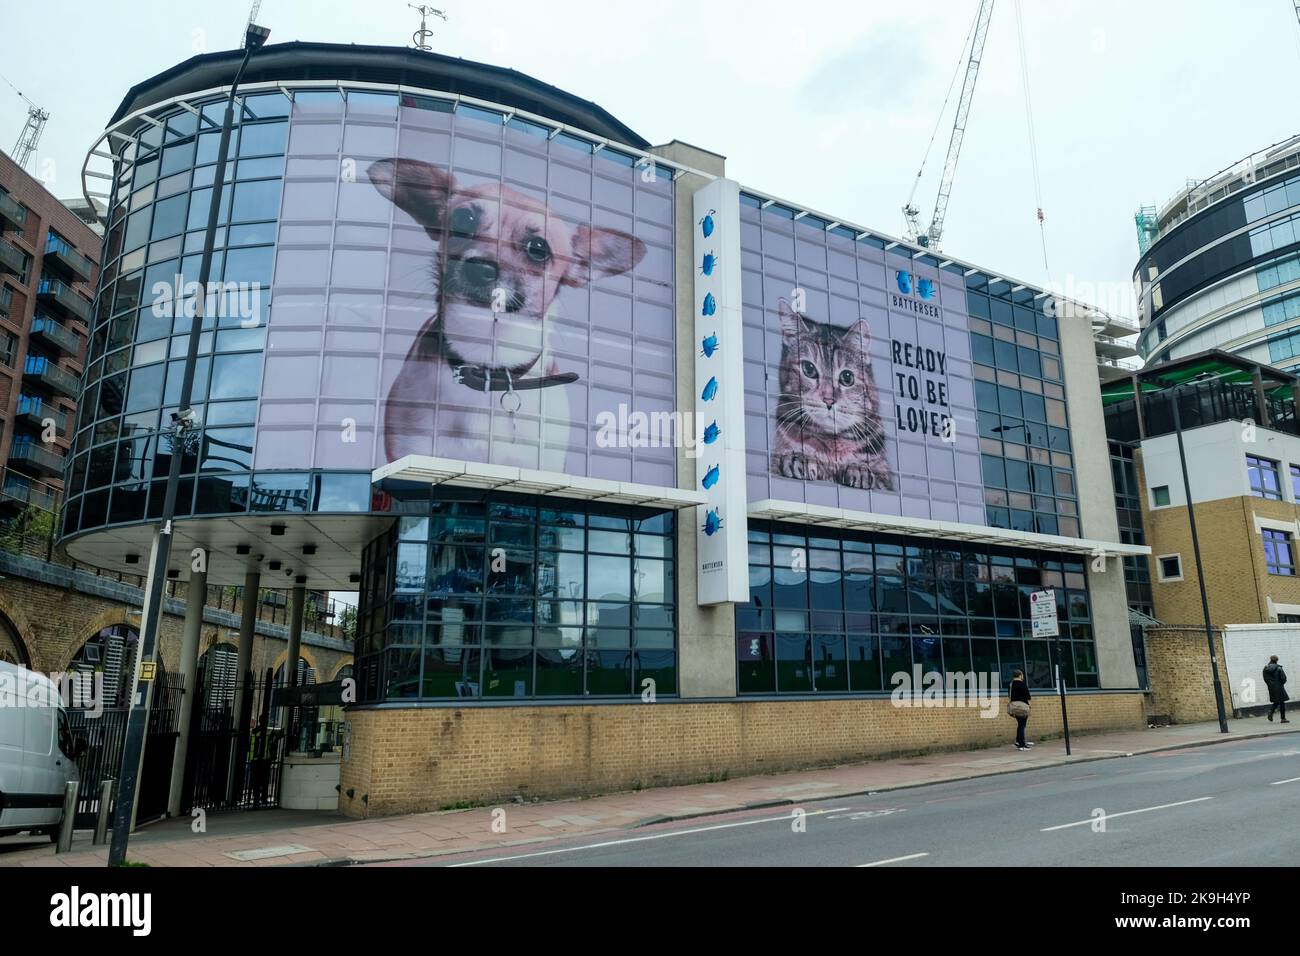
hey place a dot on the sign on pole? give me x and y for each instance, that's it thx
(1042, 616)
(1042, 613)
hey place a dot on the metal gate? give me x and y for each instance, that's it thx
(225, 768)
(105, 734)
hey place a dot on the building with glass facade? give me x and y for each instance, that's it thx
(1220, 264)
(640, 468)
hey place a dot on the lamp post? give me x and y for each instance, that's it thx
(184, 421)
(1196, 551)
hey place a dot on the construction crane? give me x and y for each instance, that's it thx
(932, 236)
(31, 134)
(252, 18)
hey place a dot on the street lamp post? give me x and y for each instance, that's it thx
(183, 421)
(1196, 551)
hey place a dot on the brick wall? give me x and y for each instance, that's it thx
(45, 211)
(413, 759)
(1238, 585)
(1178, 664)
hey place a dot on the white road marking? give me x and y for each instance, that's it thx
(1125, 813)
(654, 836)
(1278, 783)
(896, 859)
(868, 814)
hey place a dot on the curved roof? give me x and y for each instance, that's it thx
(338, 62)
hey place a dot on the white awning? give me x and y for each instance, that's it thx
(822, 516)
(528, 481)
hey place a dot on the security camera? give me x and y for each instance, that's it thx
(185, 419)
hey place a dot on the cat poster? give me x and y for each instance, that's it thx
(828, 425)
(859, 385)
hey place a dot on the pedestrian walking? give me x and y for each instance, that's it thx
(1018, 706)
(1275, 681)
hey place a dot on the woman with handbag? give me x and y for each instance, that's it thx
(1018, 707)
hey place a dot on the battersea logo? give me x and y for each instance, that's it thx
(76, 909)
(924, 287)
(915, 296)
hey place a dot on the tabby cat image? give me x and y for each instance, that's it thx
(828, 424)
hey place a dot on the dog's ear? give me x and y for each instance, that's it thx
(420, 189)
(606, 252)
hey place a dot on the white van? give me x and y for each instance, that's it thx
(37, 752)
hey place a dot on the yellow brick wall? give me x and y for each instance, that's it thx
(1238, 584)
(416, 759)
(1178, 666)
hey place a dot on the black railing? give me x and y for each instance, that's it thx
(104, 731)
(1208, 403)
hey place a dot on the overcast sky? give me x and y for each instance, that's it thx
(827, 104)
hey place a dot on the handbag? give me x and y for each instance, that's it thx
(1018, 708)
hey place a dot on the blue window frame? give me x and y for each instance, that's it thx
(1277, 552)
(1264, 482)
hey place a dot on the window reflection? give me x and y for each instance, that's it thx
(936, 606)
(516, 580)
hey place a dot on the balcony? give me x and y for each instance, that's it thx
(11, 210)
(37, 457)
(60, 252)
(40, 370)
(51, 333)
(60, 296)
(18, 492)
(35, 411)
(12, 258)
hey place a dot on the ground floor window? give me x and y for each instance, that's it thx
(477, 595)
(844, 613)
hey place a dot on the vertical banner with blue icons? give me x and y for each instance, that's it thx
(721, 527)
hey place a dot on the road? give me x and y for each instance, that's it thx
(1230, 804)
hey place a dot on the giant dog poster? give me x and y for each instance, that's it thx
(468, 286)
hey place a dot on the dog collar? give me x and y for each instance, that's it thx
(495, 378)
(484, 378)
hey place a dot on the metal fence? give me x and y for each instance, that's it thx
(105, 734)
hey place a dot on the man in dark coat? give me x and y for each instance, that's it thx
(1275, 680)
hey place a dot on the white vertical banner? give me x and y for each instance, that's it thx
(721, 526)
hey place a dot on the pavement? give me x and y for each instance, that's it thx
(285, 837)
(1230, 804)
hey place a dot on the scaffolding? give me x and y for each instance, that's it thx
(1148, 227)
